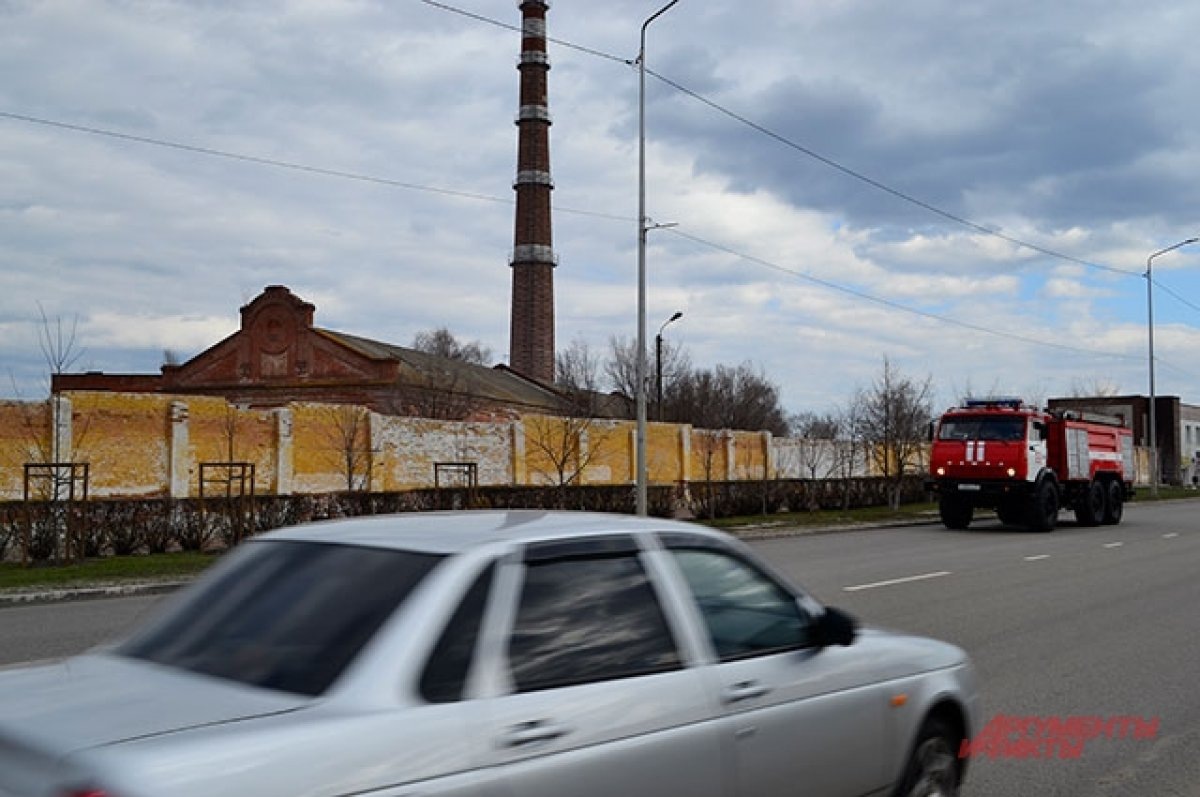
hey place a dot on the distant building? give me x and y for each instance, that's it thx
(278, 356)
(1177, 427)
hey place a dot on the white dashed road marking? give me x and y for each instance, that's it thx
(1170, 535)
(1037, 558)
(1113, 544)
(893, 581)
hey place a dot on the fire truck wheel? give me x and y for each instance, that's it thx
(1114, 503)
(956, 513)
(1089, 511)
(1043, 509)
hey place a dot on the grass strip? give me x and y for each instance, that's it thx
(106, 570)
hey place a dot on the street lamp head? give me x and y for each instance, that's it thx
(678, 315)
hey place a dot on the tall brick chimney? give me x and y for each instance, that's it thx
(531, 335)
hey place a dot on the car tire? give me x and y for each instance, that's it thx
(1114, 503)
(955, 513)
(1090, 509)
(1043, 509)
(932, 769)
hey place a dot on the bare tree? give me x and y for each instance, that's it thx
(1093, 387)
(59, 345)
(621, 368)
(816, 438)
(565, 442)
(441, 342)
(727, 397)
(349, 437)
(444, 397)
(893, 418)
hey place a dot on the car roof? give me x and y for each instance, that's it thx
(455, 531)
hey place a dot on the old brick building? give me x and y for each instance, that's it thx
(278, 356)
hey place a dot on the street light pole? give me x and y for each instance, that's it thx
(658, 363)
(643, 226)
(1155, 465)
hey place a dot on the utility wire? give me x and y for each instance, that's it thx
(281, 164)
(209, 151)
(807, 151)
(1175, 295)
(891, 304)
(507, 26)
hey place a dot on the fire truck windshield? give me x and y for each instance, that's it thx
(982, 428)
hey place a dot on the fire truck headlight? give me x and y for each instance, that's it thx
(941, 471)
(1012, 472)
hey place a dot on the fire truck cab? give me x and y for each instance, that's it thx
(1027, 464)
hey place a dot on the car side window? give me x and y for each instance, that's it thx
(445, 675)
(746, 612)
(586, 618)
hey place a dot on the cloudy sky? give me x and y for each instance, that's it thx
(833, 167)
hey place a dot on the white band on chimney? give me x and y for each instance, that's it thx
(533, 28)
(535, 57)
(533, 253)
(533, 177)
(536, 113)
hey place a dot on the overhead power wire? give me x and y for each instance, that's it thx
(282, 164)
(275, 163)
(807, 151)
(891, 304)
(508, 26)
(1176, 295)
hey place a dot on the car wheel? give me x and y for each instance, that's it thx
(932, 770)
(1090, 509)
(1114, 503)
(955, 512)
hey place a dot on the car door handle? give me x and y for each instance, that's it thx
(744, 690)
(532, 732)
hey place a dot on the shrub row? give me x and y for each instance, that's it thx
(40, 531)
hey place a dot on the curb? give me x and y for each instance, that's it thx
(768, 531)
(30, 597)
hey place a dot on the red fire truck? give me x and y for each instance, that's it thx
(1027, 463)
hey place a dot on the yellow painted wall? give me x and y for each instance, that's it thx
(24, 430)
(709, 460)
(318, 451)
(127, 440)
(220, 432)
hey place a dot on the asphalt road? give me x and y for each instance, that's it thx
(1098, 622)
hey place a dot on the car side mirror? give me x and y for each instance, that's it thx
(834, 627)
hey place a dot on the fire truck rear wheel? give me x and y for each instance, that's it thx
(956, 513)
(1114, 503)
(1043, 509)
(1089, 511)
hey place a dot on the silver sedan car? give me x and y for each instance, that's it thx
(533, 654)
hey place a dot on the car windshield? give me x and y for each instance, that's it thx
(284, 615)
(982, 428)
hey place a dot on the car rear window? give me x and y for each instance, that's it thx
(284, 615)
